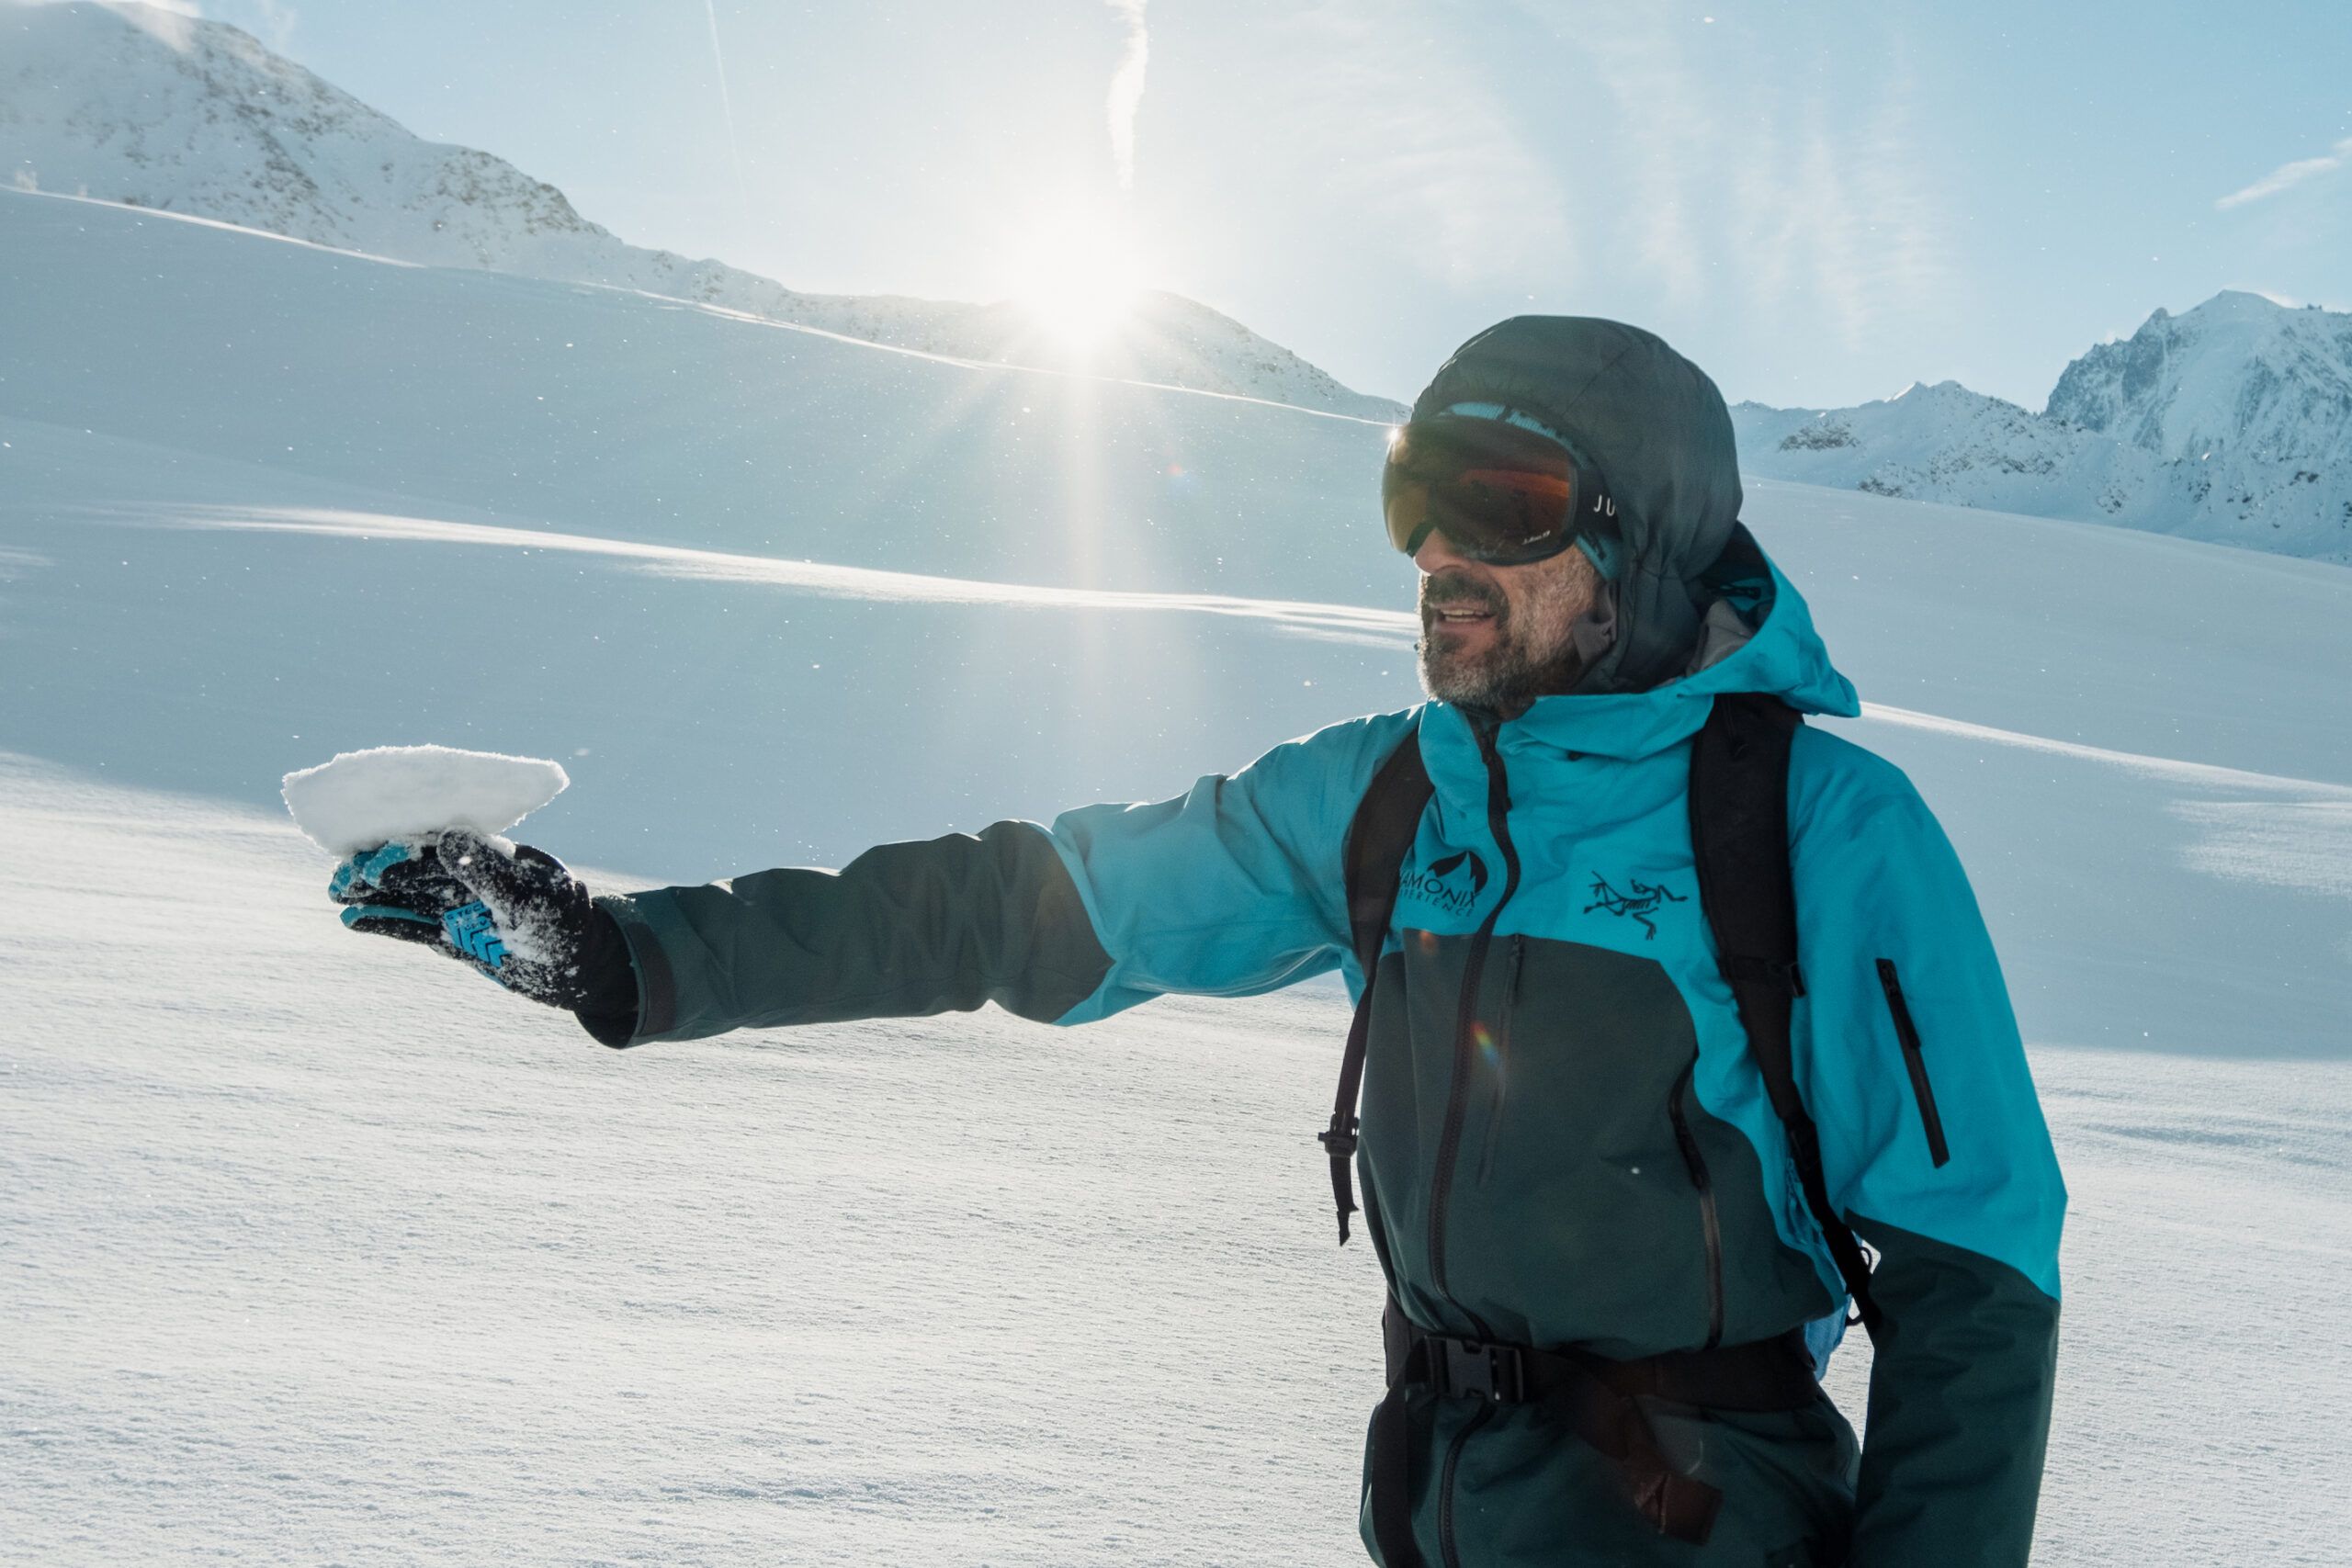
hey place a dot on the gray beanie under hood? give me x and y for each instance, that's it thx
(1656, 428)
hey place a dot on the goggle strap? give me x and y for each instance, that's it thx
(1605, 551)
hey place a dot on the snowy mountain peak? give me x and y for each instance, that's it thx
(2240, 373)
(156, 108)
(2234, 302)
(159, 109)
(1948, 393)
(2230, 421)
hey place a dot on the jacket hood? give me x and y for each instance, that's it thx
(1756, 636)
(1656, 428)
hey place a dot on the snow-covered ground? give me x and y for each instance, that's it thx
(319, 1250)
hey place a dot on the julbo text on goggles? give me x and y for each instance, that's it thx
(1500, 494)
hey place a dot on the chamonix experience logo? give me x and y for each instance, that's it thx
(1453, 884)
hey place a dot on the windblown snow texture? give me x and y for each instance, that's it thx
(360, 799)
(425, 1277)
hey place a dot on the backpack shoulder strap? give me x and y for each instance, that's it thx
(1739, 836)
(1379, 838)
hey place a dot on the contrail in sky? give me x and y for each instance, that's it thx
(1126, 89)
(727, 105)
(2292, 174)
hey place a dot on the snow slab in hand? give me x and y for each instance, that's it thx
(360, 799)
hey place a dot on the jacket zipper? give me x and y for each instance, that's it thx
(1474, 969)
(1502, 1057)
(1908, 1034)
(1449, 1144)
(1446, 1485)
(1710, 1220)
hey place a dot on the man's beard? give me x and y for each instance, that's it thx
(1531, 652)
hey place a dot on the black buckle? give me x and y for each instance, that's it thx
(1338, 1140)
(1785, 978)
(1471, 1369)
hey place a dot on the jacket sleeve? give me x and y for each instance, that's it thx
(1231, 888)
(1935, 1151)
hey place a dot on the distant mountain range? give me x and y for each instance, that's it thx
(2231, 423)
(131, 104)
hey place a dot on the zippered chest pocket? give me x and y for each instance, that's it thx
(1915, 1062)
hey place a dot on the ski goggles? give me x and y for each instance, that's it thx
(1501, 494)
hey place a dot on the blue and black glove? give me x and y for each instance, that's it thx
(521, 919)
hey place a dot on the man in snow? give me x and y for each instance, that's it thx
(1614, 1154)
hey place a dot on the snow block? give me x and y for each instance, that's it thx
(360, 799)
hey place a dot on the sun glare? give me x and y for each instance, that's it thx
(1078, 280)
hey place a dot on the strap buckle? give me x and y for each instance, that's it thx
(1783, 978)
(1471, 1369)
(1338, 1140)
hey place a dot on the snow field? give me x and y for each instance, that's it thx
(631, 417)
(732, 721)
(320, 1249)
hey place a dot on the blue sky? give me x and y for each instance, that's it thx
(1820, 202)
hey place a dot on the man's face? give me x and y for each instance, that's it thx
(1500, 636)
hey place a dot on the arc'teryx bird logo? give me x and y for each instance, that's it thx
(1639, 905)
(1439, 883)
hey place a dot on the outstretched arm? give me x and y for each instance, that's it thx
(1231, 888)
(903, 929)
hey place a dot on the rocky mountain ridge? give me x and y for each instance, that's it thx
(150, 107)
(2231, 423)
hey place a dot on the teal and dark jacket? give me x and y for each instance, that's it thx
(1578, 1150)
(1566, 1141)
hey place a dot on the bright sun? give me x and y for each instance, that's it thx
(1077, 278)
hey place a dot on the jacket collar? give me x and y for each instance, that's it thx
(1784, 657)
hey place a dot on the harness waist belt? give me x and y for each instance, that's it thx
(1590, 1395)
(1765, 1374)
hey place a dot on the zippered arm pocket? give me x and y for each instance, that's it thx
(1922, 1091)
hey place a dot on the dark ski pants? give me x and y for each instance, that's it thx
(1503, 1486)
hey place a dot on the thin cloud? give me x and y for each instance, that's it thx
(1665, 113)
(1849, 215)
(2288, 174)
(1126, 89)
(1362, 99)
(1776, 198)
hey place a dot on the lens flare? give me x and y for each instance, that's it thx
(1076, 276)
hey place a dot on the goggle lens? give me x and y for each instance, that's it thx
(1499, 495)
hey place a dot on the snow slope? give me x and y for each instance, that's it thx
(2231, 423)
(512, 397)
(319, 1250)
(429, 1278)
(135, 104)
(256, 520)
